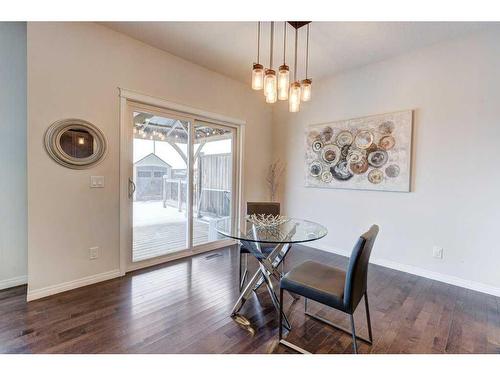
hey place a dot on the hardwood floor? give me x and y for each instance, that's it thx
(183, 307)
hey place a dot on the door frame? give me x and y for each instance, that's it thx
(193, 114)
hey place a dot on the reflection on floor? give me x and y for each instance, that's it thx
(183, 307)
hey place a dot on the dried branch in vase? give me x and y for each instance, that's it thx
(273, 179)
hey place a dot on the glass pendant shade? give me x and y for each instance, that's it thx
(271, 98)
(305, 89)
(283, 82)
(257, 77)
(270, 86)
(294, 98)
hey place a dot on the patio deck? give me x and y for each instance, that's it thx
(160, 239)
(160, 231)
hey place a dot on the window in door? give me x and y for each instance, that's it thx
(160, 163)
(184, 176)
(212, 180)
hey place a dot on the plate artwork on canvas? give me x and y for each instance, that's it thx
(368, 153)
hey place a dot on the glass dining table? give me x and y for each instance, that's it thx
(270, 245)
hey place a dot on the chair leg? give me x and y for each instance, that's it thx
(281, 316)
(243, 270)
(245, 274)
(353, 330)
(280, 330)
(239, 267)
(368, 319)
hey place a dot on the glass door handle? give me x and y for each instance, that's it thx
(131, 188)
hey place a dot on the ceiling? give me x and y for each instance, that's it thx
(230, 48)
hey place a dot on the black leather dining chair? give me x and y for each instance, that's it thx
(334, 287)
(257, 208)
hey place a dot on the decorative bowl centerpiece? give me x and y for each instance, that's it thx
(262, 221)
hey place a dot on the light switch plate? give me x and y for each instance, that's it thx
(96, 181)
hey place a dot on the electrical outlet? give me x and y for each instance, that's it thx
(94, 252)
(437, 252)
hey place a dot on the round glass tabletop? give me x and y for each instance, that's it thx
(292, 231)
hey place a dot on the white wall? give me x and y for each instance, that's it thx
(13, 231)
(74, 70)
(455, 91)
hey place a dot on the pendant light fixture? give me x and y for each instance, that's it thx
(306, 84)
(258, 69)
(294, 98)
(279, 87)
(270, 83)
(284, 71)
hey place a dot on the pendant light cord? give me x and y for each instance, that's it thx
(272, 46)
(284, 43)
(307, 53)
(295, 64)
(258, 42)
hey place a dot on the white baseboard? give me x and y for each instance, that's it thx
(84, 281)
(448, 279)
(14, 281)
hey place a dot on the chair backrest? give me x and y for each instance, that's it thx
(266, 208)
(357, 271)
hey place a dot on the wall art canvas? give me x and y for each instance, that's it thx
(368, 153)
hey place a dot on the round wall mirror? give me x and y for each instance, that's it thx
(75, 143)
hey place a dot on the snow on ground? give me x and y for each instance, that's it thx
(152, 212)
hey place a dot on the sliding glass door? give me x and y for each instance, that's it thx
(160, 177)
(181, 183)
(212, 180)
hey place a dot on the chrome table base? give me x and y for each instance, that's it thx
(268, 267)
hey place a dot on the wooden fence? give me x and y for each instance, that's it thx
(212, 187)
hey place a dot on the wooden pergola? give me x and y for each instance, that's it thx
(175, 132)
